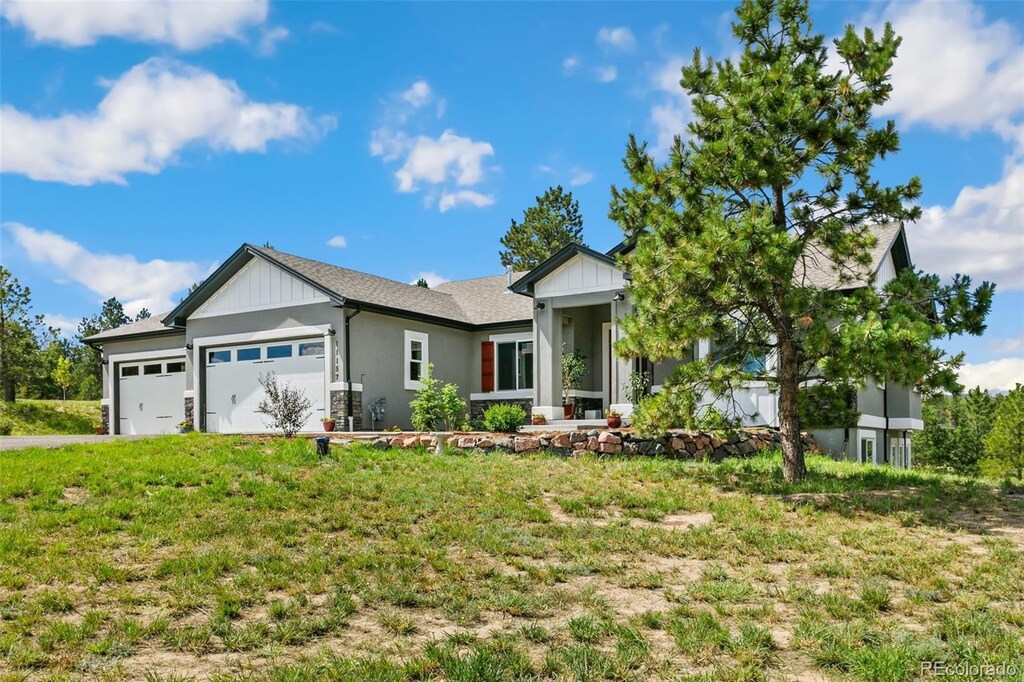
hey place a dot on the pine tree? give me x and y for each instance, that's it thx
(422, 283)
(548, 226)
(20, 352)
(1004, 446)
(775, 177)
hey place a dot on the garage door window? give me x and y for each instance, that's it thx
(316, 348)
(274, 352)
(152, 369)
(248, 354)
(218, 356)
(175, 367)
(130, 371)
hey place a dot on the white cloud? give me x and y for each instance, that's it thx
(618, 38)
(418, 95)
(569, 65)
(64, 325)
(338, 241)
(186, 25)
(148, 115)
(324, 28)
(450, 200)
(981, 234)
(1007, 345)
(435, 164)
(137, 285)
(999, 375)
(579, 176)
(606, 74)
(270, 38)
(672, 112)
(953, 70)
(433, 279)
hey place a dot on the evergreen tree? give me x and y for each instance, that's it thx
(955, 427)
(144, 314)
(1004, 446)
(19, 335)
(88, 363)
(774, 179)
(548, 226)
(421, 282)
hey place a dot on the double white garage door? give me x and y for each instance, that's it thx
(233, 390)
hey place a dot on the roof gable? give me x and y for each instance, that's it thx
(259, 285)
(572, 269)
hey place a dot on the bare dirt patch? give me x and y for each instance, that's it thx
(614, 515)
(75, 494)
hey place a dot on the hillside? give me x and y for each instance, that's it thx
(220, 556)
(47, 417)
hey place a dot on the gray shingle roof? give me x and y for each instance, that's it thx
(820, 271)
(486, 300)
(151, 325)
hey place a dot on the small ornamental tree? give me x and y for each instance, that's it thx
(554, 222)
(61, 375)
(286, 407)
(437, 405)
(774, 181)
(1004, 446)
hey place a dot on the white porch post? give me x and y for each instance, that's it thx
(621, 367)
(547, 393)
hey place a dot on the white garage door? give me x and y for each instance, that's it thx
(233, 391)
(151, 396)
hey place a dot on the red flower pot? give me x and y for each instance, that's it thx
(329, 425)
(570, 411)
(614, 422)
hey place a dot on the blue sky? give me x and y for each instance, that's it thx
(144, 142)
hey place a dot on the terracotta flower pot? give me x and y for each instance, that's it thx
(538, 421)
(570, 411)
(614, 422)
(328, 425)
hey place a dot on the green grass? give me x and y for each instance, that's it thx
(217, 557)
(51, 417)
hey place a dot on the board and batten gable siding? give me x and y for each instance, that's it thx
(886, 271)
(259, 285)
(581, 274)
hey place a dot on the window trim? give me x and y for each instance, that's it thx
(870, 436)
(424, 339)
(517, 343)
(516, 338)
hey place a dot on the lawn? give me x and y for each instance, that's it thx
(217, 557)
(48, 417)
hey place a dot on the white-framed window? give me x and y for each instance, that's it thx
(417, 355)
(867, 449)
(513, 364)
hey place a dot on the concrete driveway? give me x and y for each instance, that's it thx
(22, 442)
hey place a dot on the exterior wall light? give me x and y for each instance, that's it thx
(539, 305)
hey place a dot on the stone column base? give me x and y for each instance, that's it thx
(339, 410)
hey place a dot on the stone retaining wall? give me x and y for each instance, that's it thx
(676, 444)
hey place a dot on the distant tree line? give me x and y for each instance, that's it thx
(36, 361)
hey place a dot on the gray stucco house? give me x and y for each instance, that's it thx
(357, 345)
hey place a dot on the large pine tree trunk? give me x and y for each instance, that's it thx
(793, 467)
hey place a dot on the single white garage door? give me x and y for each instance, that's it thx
(151, 396)
(233, 391)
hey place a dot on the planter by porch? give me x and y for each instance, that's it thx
(569, 411)
(185, 429)
(328, 425)
(538, 421)
(614, 422)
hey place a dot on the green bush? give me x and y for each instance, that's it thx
(437, 405)
(504, 417)
(6, 427)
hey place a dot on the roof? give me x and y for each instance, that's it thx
(481, 302)
(151, 326)
(820, 271)
(524, 284)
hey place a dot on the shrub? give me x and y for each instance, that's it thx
(437, 405)
(287, 407)
(504, 417)
(6, 427)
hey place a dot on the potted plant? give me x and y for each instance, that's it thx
(185, 426)
(574, 366)
(614, 419)
(538, 419)
(101, 430)
(328, 423)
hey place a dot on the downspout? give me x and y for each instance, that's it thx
(885, 415)
(348, 365)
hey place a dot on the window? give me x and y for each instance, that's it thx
(218, 356)
(416, 359)
(175, 367)
(152, 369)
(132, 371)
(515, 365)
(248, 354)
(279, 352)
(867, 450)
(312, 348)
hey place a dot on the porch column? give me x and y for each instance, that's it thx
(547, 359)
(621, 367)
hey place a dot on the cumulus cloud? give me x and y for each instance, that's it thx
(432, 278)
(450, 200)
(997, 375)
(606, 74)
(617, 38)
(148, 115)
(64, 325)
(338, 242)
(671, 112)
(138, 285)
(270, 38)
(1007, 345)
(427, 162)
(185, 25)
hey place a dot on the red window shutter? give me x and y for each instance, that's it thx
(487, 366)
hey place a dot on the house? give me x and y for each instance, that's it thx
(357, 346)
